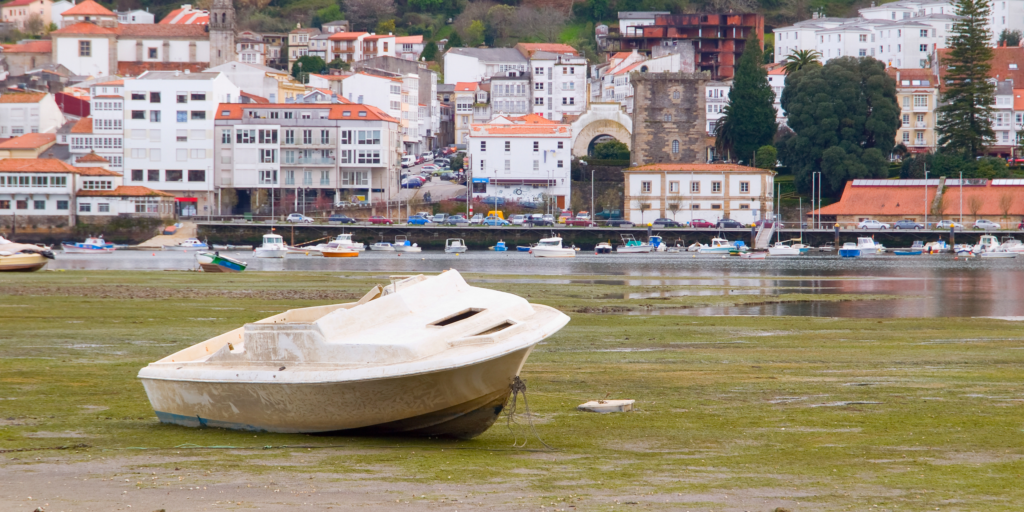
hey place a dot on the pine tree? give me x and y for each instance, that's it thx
(751, 115)
(965, 116)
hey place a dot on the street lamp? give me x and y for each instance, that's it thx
(926, 196)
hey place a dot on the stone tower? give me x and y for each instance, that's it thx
(222, 32)
(669, 122)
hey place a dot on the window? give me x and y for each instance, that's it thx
(139, 114)
(716, 207)
(139, 96)
(368, 157)
(154, 155)
(153, 175)
(508, 146)
(744, 207)
(923, 47)
(85, 48)
(924, 33)
(368, 137)
(84, 207)
(920, 100)
(675, 146)
(744, 187)
(307, 137)
(198, 115)
(483, 146)
(154, 116)
(101, 207)
(289, 136)
(61, 205)
(170, 175)
(716, 186)
(152, 53)
(862, 53)
(906, 119)
(225, 136)
(862, 38)
(560, 164)
(245, 136)
(181, 97)
(38, 205)
(268, 136)
(198, 153)
(906, 136)
(268, 156)
(667, 118)
(906, 102)
(645, 187)
(182, 116)
(197, 175)
(136, 174)
(154, 97)
(198, 96)
(325, 136)
(695, 187)
(268, 177)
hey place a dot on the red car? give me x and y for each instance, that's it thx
(377, 219)
(701, 223)
(580, 221)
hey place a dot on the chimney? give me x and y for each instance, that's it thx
(897, 78)
(814, 15)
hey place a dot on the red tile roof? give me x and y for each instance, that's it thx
(84, 28)
(88, 8)
(23, 97)
(256, 99)
(896, 200)
(375, 37)
(1002, 59)
(155, 31)
(17, 3)
(193, 17)
(45, 46)
(123, 191)
(346, 36)
(235, 110)
(466, 86)
(83, 125)
(35, 165)
(528, 49)
(138, 68)
(93, 158)
(95, 171)
(694, 168)
(112, 83)
(409, 40)
(487, 130)
(29, 141)
(532, 119)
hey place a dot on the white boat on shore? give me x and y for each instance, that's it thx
(189, 244)
(987, 243)
(273, 247)
(455, 245)
(402, 244)
(552, 248)
(15, 257)
(781, 249)
(429, 356)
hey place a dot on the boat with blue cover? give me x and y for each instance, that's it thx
(849, 250)
(499, 247)
(215, 262)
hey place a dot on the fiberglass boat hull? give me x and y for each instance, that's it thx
(22, 262)
(458, 402)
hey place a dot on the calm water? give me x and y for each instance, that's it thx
(929, 286)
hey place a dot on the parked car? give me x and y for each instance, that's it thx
(872, 224)
(564, 216)
(729, 223)
(429, 169)
(529, 204)
(494, 220)
(701, 223)
(408, 161)
(550, 218)
(342, 204)
(581, 221)
(412, 183)
(339, 218)
(517, 220)
(448, 176)
(299, 218)
(985, 224)
(665, 223)
(477, 219)
(453, 220)
(494, 201)
(907, 224)
(947, 224)
(1020, 226)
(609, 214)
(427, 155)
(439, 218)
(619, 223)
(538, 219)
(419, 220)
(420, 160)
(377, 219)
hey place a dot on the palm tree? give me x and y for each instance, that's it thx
(800, 58)
(723, 132)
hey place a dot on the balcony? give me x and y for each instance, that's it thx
(921, 125)
(310, 161)
(313, 143)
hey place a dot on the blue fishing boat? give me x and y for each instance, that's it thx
(214, 262)
(915, 250)
(95, 245)
(849, 250)
(523, 248)
(499, 247)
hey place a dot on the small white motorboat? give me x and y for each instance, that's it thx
(382, 246)
(757, 255)
(402, 244)
(552, 248)
(455, 245)
(342, 241)
(631, 245)
(1010, 244)
(273, 247)
(781, 249)
(719, 246)
(429, 356)
(867, 245)
(998, 253)
(987, 243)
(603, 248)
(936, 247)
(189, 244)
(696, 247)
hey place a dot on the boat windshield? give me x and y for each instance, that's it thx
(549, 243)
(272, 239)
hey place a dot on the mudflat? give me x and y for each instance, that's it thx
(732, 413)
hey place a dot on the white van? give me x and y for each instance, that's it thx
(408, 161)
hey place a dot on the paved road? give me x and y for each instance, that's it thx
(439, 190)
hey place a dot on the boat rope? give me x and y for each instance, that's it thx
(518, 387)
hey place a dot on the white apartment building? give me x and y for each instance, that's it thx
(103, 131)
(168, 133)
(472, 106)
(717, 97)
(29, 112)
(383, 92)
(521, 159)
(688, 192)
(136, 17)
(559, 84)
(410, 121)
(476, 64)
(610, 80)
(310, 151)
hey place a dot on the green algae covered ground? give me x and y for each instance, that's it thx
(733, 413)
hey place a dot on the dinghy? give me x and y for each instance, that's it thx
(216, 262)
(430, 356)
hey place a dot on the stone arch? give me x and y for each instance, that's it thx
(601, 120)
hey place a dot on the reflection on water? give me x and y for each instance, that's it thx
(934, 286)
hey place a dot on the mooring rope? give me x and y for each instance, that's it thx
(518, 387)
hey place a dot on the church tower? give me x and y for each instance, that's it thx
(222, 32)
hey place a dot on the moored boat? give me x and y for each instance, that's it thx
(867, 245)
(344, 241)
(339, 252)
(781, 249)
(552, 248)
(632, 245)
(455, 245)
(230, 247)
(719, 246)
(936, 247)
(498, 247)
(402, 244)
(757, 255)
(987, 243)
(603, 248)
(216, 262)
(524, 248)
(91, 245)
(849, 250)
(998, 253)
(429, 356)
(273, 247)
(382, 246)
(189, 244)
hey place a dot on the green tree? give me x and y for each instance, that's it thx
(965, 113)
(326, 15)
(611, 150)
(307, 64)
(751, 114)
(800, 59)
(454, 41)
(429, 51)
(386, 26)
(337, 63)
(844, 116)
(767, 157)
(475, 34)
(1009, 38)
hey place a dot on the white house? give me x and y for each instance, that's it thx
(521, 159)
(476, 64)
(168, 132)
(383, 92)
(252, 78)
(689, 192)
(29, 112)
(135, 17)
(102, 132)
(409, 47)
(558, 79)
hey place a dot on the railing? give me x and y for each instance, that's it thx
(316, 141)
(921, 125)
(311, 161)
